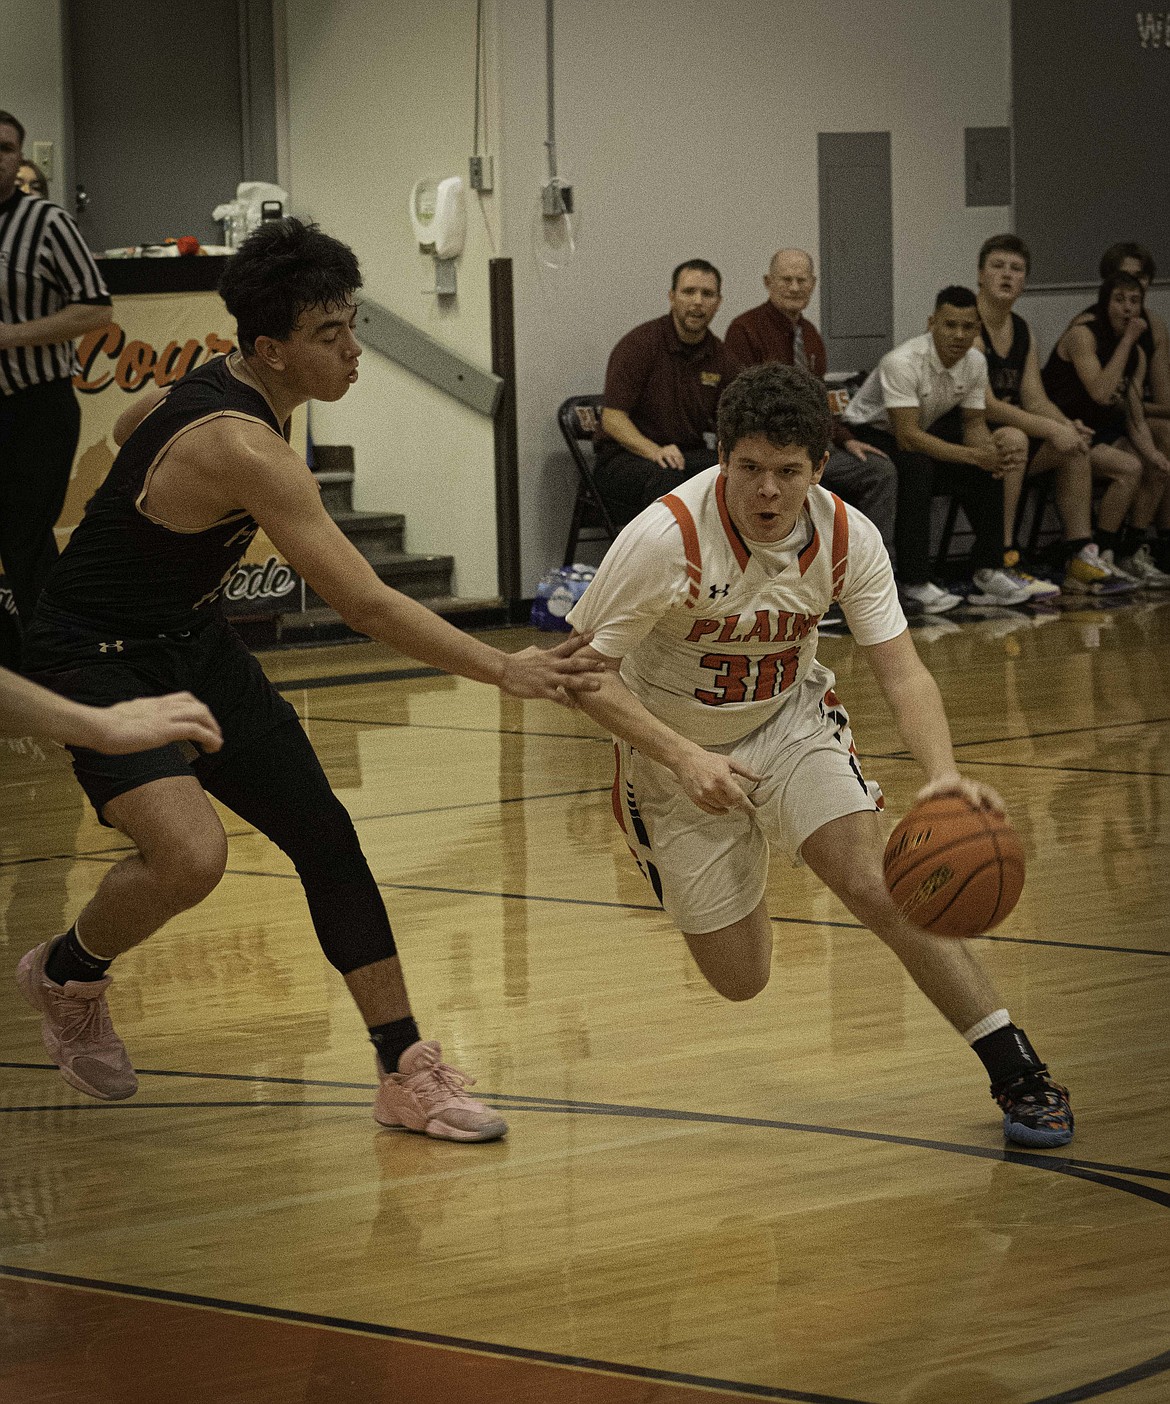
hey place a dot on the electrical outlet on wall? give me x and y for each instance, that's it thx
(42, 154)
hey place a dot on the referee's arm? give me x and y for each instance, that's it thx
(66, 325)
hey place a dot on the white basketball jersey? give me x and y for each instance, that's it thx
(716, 633)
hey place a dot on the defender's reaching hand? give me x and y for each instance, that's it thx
(553, 672)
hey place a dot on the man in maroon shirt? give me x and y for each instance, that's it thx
(662, 386)
(778, 330)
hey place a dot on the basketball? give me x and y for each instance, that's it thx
(954, 869)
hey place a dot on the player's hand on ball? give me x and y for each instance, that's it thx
(976, 793)
(553, 673)
(712, 781)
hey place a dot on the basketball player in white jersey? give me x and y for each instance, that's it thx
(731, 739)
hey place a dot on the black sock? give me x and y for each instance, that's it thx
(1074, 548)
(1162, 549)
(1007, 1055)
(1108, 540)
(1131, 539)
(69, 960)
(392, 1040)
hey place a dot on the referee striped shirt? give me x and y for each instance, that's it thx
(44, 266)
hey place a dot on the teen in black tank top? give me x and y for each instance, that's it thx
(1006, 373)
(1067, 392)
(126, 570)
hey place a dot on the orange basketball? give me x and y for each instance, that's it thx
(954, 869)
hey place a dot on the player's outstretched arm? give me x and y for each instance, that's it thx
(140, 725)
(279, 491)
(708, 778)
(917, 705)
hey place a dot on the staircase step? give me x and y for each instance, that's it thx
(336, 491)
(420, 577)
(379, 536)
(333, 468)
(332, 458)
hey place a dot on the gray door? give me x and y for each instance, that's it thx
(857, 247)
(166, 117)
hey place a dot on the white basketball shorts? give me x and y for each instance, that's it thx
(709, 870)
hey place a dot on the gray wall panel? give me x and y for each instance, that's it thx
(1091, 100)
(856, 251)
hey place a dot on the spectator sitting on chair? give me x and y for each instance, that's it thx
(662, 386)
(1096, 372)
(1153, 496)
(1053, 443)
(924, 405)
(778, 330)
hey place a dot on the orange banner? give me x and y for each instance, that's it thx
(153, 340)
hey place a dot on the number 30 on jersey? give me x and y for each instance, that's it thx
(739, 678)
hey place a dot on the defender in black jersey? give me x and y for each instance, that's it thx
(132, 610)
(1054, 442)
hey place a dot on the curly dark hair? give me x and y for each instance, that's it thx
(281, 269)
(784, 403)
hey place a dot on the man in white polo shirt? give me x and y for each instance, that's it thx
(925, 405)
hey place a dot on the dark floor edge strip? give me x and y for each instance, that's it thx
(373, 1328)
(357, 679)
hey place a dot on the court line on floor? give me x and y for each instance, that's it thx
(1109, 1177)
(373, 1328)
(1103, 1172)
(654, 908)
(901, 756)
(100, 854)
(606, 740)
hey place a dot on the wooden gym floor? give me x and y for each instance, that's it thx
(805, 1197)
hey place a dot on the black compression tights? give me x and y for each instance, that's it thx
(277, 784)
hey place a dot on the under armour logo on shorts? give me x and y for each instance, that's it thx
(115, 647)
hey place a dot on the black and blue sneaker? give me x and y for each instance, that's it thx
(1036, 1111)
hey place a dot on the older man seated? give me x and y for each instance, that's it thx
(778, 330)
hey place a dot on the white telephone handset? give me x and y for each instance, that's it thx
(438, 212)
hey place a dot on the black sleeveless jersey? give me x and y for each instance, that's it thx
(1006, 373)
(125, 569)
(1067, 392)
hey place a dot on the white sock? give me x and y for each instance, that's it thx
(999, 1019)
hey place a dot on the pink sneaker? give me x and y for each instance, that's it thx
(426, 1095)
(76, 1029)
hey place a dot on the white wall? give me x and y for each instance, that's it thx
(379, 95)
(31, 77)
(692, 131)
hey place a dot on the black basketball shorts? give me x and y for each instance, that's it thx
(87, 663)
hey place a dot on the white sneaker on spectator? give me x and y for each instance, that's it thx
(1141, 567)
(1087, 574)
(996, 587)
(1037, 589)
(1117, 570)
(929, 598)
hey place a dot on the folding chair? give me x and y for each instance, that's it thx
(578, 417)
